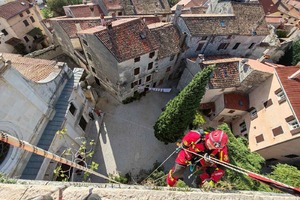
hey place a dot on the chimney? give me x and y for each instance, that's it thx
(103, 23)
(200, 59)
(113, 16)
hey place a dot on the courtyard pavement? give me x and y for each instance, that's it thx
(126, 141)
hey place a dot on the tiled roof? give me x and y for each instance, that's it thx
(127, 38)
(168, 38)
(210, 24)
(31, 68)
(69, 24)
(225, 75)
(141, 7)
(246, 18)
(249, 16)
(291, 86)
(113, 4)
(82, 10)
(269, 6)
(13, 8)
(189, 3)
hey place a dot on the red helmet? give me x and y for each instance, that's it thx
(218, 138)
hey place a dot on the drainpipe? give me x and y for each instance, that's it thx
(287, 99)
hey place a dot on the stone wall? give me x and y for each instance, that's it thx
(130, 192)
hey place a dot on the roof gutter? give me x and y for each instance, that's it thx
(287, 98)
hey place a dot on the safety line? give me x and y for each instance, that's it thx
(34, 149)
(160, 165)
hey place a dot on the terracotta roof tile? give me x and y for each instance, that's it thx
(128, 38)
(291, 86)
(141, 7)
(31, 68)
(168, 38)
(82, 10)
(246, 18)
(225, 75)
(69, 24)
(189, 3)
(113, 4)
(269, 6)
(13, 8)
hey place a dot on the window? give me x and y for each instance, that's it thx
(93, 69)
(223, 46)
(229, 37)
(203, 37)
(82, 123)
(222, 23)
(26, 39)
(136, 71)
(28, 11)
(89, 56)
(251, 45)
(142, 35)
(236, 45)
(280, 96)
(137, 59)
(152, 54)
(135, 83)
(148, 78)
(293, 124)
(4, 32)
(21, 15)
(26, 22)
(97, 81)
(200, 46)
(150, 66)
(253, 113)
(168, 69)
(72, 109)
(268, 103)
(120, 13)
(32, 19)
(277, 131)
(243, 127)
(231, 111)
(85, 42)
(259, 138)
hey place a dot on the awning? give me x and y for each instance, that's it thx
(34, 32)
(13, 41)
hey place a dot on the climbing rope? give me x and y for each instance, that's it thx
(160, 166)
(34, 149)
(273, 183)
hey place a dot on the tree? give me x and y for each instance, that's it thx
(56, 6)
(78, 155)
(240, 155)
(292, 55)
(180, 111)
(287, 174)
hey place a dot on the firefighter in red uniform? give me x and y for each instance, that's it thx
(211, 144)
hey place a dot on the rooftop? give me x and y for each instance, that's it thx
(189, 3)
(13, 8)
(69, 24)
(248, 19)
(141, 7)
(125, 38)
(291, 86)
(84, 10)
(113, 4)
(31, 68)
(168, 38)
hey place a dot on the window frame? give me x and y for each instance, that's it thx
(72, 109)
(236, 46)
(136, 71)
(83, 120)
(4, 32)
(25, 22)
(32, 19)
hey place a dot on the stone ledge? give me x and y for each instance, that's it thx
(31, 189)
